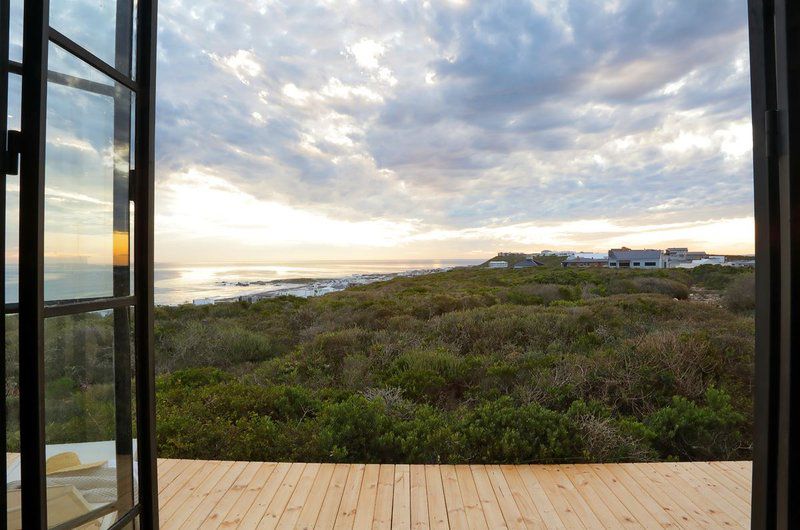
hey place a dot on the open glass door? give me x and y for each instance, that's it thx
(81, 452)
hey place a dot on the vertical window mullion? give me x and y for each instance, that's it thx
(31, 263)
(145, 68)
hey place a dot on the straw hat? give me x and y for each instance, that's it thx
(69, 461)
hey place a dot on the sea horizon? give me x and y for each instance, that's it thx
(176, 283)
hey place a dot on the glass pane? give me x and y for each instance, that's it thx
(88, 420)
(15, 30)
(64, 64)
(12, 418)
(11, 336)
(12, 199)
(86, 195)
(103, 28)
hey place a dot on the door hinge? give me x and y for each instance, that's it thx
(12, 152)
(771, 133)
(132, 185)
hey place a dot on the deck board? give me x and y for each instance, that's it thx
(419, 498)
(218, 494)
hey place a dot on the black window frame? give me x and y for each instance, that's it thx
(775, 93)
(139, 78)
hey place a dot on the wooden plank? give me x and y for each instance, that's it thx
(419, 498)
(171, 474)
(581, 479)
(349, 503)
(558, 493)
(743, 467)
(401, 504)
(212, 494)
(716, 508)
(595, 492)
(165, 464)
(685, 515)
(505, 499)
(630, 499)
(724, 480)
(237, 512)
(540, 499)
(472, 501)
(210, 498)
(670, 488)
(366, 498)
(253, 515)
(489, 504)
(280, 499)
(333, 496)
(183, 495)
(292, 511)
(437, 509)
(733, 474)
(723, 499)
(229, 499)
(636, 492)
(384, 498)
(316, 496)
(456, 513)
(198, 493)
(711, 484)
(181, 473)
(527, 508)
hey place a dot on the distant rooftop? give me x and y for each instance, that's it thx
(628, 254)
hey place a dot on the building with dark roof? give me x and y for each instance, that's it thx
(625, 258)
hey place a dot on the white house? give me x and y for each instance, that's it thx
(625, 258)
(498, 264)
(710, 260)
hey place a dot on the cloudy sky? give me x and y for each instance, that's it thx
(331, 129)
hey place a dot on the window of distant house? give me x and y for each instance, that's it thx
(635, 263)
(649, 263)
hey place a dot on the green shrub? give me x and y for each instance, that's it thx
(740, 294)
(501, 431)
(355, 430)
(687, 431)
(470, 365)
(428, 374)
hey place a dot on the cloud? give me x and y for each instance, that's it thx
(464, 116)
(242, 64)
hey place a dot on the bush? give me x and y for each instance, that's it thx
(428, 374)
(688, 431)
(672, 288)
(355, 430)
(501, 431)
(740, 295)
(471, 365)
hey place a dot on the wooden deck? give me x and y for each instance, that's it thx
(213, 494)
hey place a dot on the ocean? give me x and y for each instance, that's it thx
(179, 283)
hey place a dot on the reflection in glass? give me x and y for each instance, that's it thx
(86, 195)
(88, 418)
(15, 30)
(64, 68)
(12, 401)
(103, 28)
(12, 199)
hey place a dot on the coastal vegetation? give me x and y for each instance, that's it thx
(470, 365)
